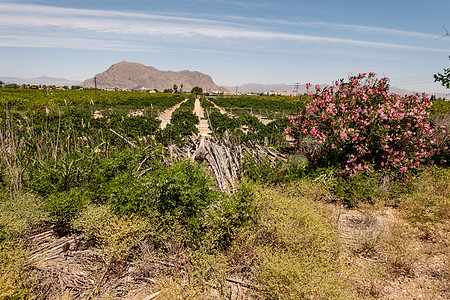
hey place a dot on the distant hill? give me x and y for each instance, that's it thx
(264, 88)
(42, 80)
(281, 88)
(136, 76)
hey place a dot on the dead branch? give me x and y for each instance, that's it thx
(123, 138)
(241, 283)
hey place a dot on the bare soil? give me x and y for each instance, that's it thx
(203, 127)
(167, 114)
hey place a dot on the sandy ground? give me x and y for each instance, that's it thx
(167, 114)
(203, 127)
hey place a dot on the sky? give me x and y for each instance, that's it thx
(235, 42)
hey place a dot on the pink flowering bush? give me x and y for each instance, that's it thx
(359, 126)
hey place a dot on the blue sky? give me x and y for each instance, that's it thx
(236, 42)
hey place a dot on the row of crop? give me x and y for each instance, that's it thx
(187, 105)
(54, 133)
(269, 107)
(182, 124)
(206, 104)
(245, 128)
(23, 99)
(248, 129)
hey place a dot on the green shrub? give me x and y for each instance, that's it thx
(182, 124)
(117, 235)
(128, 195)
(64, 206)
(21, 213)
(265, 171)
(179, 193)
(227, 217)
(183, 190)
(121, 168)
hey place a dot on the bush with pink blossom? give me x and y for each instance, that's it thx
(359, 126)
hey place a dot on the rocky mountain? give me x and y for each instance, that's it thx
(136, 76)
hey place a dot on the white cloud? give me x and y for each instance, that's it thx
(74, 24)
(68, 42)
(333, 25)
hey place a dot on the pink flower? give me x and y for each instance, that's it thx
(365, 117)
(308, 85)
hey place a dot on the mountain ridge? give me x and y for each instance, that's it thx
(177, 78)
(136, 76)
(41, 80)
(267, 88)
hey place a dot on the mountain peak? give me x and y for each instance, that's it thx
(126, 75)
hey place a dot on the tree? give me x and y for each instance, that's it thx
(443, 78)
(12, 86)
(175, 88)
(1, 83)
(197, 90)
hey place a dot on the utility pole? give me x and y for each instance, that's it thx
(95, 89)
(296, 88)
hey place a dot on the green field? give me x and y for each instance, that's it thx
(143, 221)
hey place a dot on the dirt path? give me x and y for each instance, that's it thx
(167, 114)
(203, 126)
(222, 110)
(263, 120)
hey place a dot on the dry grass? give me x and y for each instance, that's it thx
(403, 251)
(299, 246)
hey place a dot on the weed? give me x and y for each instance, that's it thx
(400, 255)
(117, 235)
(296, 247)
(428, 205)
(13, 274)
(21, 214)
(64, 206)
(268, 172)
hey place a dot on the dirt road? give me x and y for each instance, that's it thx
(167, 114)
(203, 126)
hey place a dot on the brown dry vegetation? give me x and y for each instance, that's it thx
(301, 244)
(138, 223)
